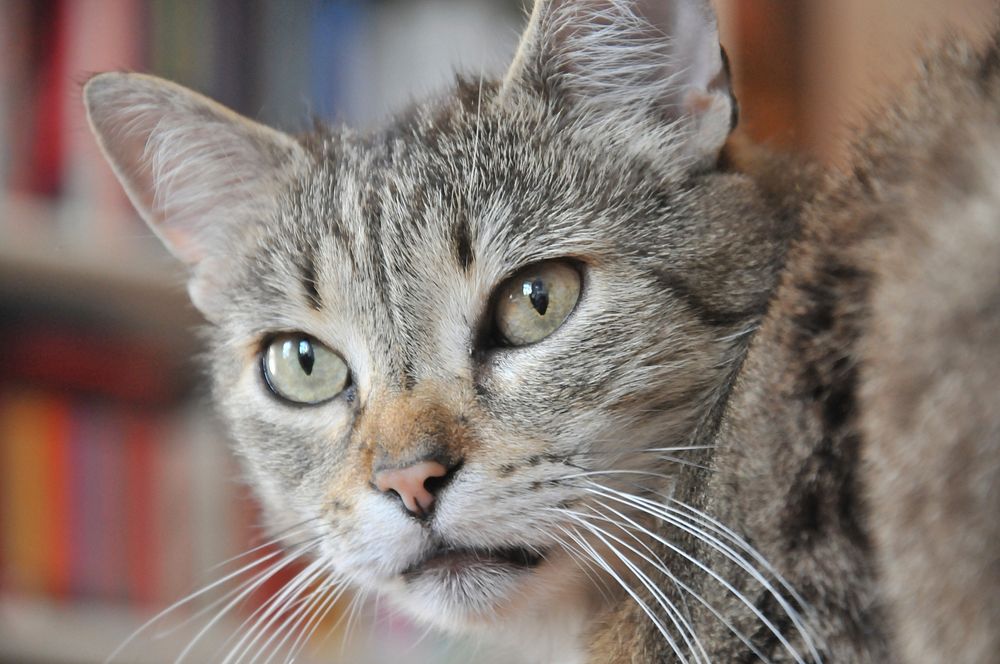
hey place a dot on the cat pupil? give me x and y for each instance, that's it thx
(538, 294)
(306, 356)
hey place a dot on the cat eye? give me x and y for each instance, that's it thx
(300, 369)
(533, 303)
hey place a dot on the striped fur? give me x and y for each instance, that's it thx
(710, 454)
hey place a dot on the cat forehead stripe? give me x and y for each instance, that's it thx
(310, 285)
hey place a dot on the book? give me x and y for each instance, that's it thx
(101, 211)
(24, 498)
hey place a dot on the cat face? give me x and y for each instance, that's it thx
(432, 342)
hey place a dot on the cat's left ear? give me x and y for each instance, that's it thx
(200, 175)
(632, 69)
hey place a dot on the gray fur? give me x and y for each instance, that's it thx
(595, 148)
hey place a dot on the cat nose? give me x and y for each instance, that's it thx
(416, 484)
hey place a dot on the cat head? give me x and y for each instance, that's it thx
(434, 343)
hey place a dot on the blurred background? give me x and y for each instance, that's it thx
(118, 495)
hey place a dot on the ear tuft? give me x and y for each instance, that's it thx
(633, 69)
(194, 170)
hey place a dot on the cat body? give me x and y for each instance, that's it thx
(860, 451)
(545, 360)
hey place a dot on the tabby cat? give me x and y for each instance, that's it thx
(552, 359)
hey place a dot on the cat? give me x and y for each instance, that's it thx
(555, 359)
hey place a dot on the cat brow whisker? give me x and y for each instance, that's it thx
(473, 175)
(638, 503)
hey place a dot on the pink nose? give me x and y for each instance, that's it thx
(410, 484)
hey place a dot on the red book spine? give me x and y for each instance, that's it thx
(59, 537)
(140, 513)
(48, 145)
(109, 537)
(81, 521)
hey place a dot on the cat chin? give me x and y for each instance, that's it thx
(543, 610)
(486, 598)
(460, 598)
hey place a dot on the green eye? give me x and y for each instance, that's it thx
(532, 304)
(298, 368)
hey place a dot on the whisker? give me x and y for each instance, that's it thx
(743, 544)
(285, 534)
(304, 613)
(682, 520)
(185, 600)
(596, 557)
(586, 565)
(295, 555)
(680, 584)
(333, 596)
(355, 606)
(592, 473)
(633, 501)
(271, 610)
(216, 602)
(673, 614)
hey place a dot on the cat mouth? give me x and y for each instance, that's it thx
(452, 560)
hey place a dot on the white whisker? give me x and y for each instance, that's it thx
(597, 558)
(333, 596)
(682, 625)
(682, 520)
(304, 613)
(271, 610)
(295, 555)
(194, 595)
(637, 503)
(673, 578)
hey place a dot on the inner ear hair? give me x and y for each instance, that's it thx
(189, 165)
(650, 70)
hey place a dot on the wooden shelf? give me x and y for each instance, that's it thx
(37, 631)
(48, 260)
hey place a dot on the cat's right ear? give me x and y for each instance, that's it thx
(199, 174)
(649, 74)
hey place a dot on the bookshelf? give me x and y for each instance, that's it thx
(118, 494)
(86, 636)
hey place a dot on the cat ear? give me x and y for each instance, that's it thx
(199, 174)
(627, 66)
